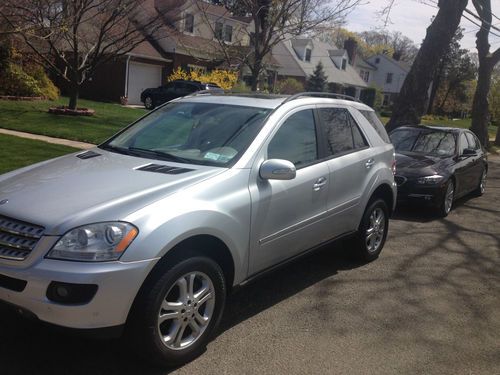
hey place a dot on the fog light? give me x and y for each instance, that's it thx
(71, 294)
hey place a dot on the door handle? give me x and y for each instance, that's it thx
(319, 184)
(369, 163)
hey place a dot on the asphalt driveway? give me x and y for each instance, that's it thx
(429, 305)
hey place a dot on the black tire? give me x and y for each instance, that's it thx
(362, 246)
(445, 207)
(481, 187)
(149, 103)
(144, 331)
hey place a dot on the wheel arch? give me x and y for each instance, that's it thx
(384, 192)
(213, 248)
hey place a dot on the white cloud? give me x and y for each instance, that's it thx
(412, 18)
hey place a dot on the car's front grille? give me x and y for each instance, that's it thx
(400, 180)
(17, 238)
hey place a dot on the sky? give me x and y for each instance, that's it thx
(412, 17)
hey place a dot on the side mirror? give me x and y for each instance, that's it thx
(469, 152)
(277, 169)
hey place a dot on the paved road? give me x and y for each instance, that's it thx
(429, 305)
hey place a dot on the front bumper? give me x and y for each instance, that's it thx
(411, 192)
(118, 284)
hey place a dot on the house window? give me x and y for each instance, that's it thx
(344, 64)
(218, 30)
(366, 76)
(389, 78)
(377, 60)
(189, 23)
(308, 54)
(228, 33)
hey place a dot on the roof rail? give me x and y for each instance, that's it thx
(321, 94)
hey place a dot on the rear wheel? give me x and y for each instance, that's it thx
(372, 232)
(149, 103)
(447, 202)
(176, 315)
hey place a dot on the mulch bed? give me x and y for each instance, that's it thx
(71, 112)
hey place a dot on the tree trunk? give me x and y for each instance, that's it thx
(487, 61)
(411, 102)
(480, 105)
(497, 138)
(74, 94)
(436, 82)
(257, 67)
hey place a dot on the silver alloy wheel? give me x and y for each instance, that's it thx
(482, 184)
(148, 102)
(186, 310)
(448, 198)
(375, 231)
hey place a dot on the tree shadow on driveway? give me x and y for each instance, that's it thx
(29, 347)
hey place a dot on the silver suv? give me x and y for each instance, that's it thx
(151, 230)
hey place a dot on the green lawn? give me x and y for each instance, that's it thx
(32, 117)
(18, 152)
(462, 123)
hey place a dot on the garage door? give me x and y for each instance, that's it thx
(141, 77)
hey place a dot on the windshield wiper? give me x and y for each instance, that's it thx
(159, 154)
(120, 150)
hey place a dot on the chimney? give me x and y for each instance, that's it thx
(351, 46)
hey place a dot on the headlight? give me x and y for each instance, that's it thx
(95, 242)
(430, 180)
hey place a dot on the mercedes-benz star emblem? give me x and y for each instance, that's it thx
(4, 201)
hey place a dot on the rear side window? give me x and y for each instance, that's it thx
(473, 141)
(295, 140)
(377, 125)
(342, 134)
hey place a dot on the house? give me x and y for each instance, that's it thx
(385, 73)
(191, 39)
(298, 57)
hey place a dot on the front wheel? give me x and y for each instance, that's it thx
(448, 197)
(372, 232)
(149, 103)
(175, 317)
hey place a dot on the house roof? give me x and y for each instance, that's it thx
(337, 52)
(291, 65)
(360, 63)
(400, 64)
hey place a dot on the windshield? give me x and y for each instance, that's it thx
(198, 133)
(427, 141)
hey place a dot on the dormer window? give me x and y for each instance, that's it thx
(189, 23)
(344, 64)
(308, 54)
(228, 33)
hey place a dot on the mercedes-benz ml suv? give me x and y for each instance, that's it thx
(151, 229)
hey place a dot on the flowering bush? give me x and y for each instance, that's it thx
(223, 78)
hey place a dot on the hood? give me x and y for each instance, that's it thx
(70, 191)
(414, 164)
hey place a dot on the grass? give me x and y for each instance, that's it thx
(18, 152)
(461, 123)
(32, 117)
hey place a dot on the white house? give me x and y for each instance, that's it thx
(385, 73)
(298, 57)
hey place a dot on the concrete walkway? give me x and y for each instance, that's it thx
(57, 141)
